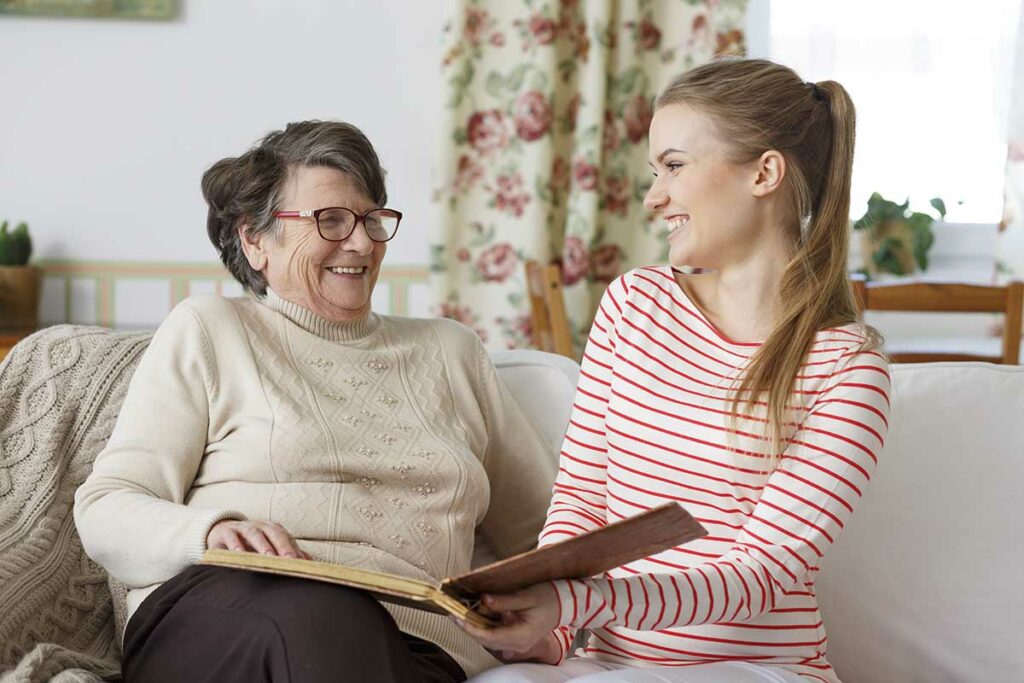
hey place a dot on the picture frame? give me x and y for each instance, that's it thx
(158, 10)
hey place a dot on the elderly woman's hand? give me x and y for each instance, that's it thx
(268, 538)
(527, 619)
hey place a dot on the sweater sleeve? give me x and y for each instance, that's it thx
(520, 466)
(805, 504)
(130, 511)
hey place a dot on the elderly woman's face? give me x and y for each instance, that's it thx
(305, 269)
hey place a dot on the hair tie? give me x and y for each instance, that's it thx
(816, 92)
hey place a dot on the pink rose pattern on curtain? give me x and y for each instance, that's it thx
(544, 146)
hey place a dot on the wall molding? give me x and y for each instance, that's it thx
(183, 277)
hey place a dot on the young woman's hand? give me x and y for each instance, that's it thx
(527, 619)
(546, 651)
(268, 538)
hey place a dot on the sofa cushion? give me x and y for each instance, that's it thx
(60, 392)
(543, 385)
(923, 584)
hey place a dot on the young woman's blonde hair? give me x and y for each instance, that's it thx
(756, 106)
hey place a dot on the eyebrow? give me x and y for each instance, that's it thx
(665, 153)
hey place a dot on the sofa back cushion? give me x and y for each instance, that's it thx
(923, 585)
(544, 385)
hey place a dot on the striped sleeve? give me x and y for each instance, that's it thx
(805, 504)
(563, 638)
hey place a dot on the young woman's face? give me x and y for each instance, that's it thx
(705, 199)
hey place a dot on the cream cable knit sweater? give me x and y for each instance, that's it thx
(381, 444)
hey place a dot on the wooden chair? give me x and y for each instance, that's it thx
(948, 297)
(548, 318)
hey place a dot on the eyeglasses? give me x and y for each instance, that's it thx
(336, 223)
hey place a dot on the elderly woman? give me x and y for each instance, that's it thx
(297, 422)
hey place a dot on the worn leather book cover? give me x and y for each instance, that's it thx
(586, 555)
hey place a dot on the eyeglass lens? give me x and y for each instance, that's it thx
(337, 224)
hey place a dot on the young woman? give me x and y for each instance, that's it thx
(747, 393)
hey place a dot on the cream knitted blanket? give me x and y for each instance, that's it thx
(60, 392)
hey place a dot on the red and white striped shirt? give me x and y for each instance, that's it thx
(651, 424)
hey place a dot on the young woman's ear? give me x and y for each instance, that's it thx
(252, 246)
(770, 170)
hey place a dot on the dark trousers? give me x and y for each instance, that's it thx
(227, 625)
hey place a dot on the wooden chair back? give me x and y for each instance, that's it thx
(548, 318)
(948, 297)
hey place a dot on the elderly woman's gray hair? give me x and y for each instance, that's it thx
(247, 189)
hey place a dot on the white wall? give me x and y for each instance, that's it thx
(758, 29)
(931, 83)
(106, 126)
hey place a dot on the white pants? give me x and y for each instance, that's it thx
(593, 671)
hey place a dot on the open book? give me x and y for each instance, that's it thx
(586, 555)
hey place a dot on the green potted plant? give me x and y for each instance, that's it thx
(20, 283)
(895, 239)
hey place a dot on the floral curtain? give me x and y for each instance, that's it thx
(544, 146)
(1011, 231)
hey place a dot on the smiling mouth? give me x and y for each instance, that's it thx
(677, 223)
(348, 270)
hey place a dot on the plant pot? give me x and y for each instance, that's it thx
(895, 240)
(20, 290)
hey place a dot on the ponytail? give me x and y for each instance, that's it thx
(814, 291)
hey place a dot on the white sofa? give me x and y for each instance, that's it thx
(924, 584)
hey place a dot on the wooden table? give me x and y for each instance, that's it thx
(9, 337)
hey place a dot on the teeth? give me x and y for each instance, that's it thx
(348, 271)
(678, 222)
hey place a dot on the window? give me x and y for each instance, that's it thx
(931, 84)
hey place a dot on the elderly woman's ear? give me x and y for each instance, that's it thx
(253, 247)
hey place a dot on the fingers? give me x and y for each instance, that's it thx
(513, 602)
(256, 539)
(527, 617)
(224, 534)
(233, 541)
(545, 651)
(520, 637)
(282, 542)
(510, 656)
(520, 600)
(268, 538)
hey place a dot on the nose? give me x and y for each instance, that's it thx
(656, 197)
(358, 240)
